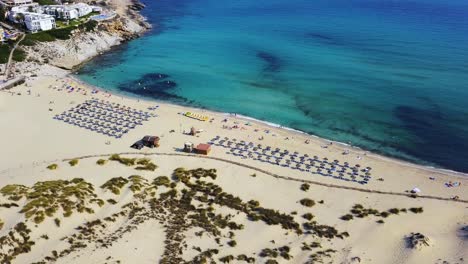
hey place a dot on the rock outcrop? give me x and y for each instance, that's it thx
(84, 45)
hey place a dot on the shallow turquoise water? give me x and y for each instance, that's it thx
(389, 76)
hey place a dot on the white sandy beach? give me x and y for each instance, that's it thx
(31, 140)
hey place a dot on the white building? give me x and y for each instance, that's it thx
(67, 12)
(11, 3)
(38, 18)
(82, 8)
(61, 12)
(38, 22)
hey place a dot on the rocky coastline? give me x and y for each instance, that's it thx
(84, 45)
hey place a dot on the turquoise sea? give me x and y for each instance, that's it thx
(390, 76)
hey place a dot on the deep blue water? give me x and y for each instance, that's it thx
(389, 76)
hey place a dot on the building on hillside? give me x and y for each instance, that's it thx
(38, 22)
(11, 3)
(82, 8)
(97, 9)
(61, 12)
(16, 13)
(67, 12)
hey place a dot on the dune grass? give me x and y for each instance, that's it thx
(44, 199)
(73, 162)
(52, 166)
(307, 202)
(101, 162)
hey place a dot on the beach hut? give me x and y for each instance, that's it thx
(203, 149)
(151, 141)
(188, 147)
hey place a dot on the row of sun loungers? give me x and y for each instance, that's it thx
(104, 117)
(294, 160)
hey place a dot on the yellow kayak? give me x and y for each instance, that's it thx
(197, 116)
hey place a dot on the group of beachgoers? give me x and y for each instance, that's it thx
(294, 160)
(70, 87)
(107, 118)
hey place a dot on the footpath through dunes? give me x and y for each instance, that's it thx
(109, 208)
(288, 178)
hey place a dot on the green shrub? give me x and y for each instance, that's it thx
(124, 161)
(101, 162)
(115, 184)
(358, 206)
(268, 252)
(308, 216)
(42, 36)
(346, 217)
(254, 203)
(307, 202)
(73, 162)
(19, 54)
(384, 214)
(4, 53)
(52, 166)
(149, 167)
(416, 210)
(232, 243)
(161, 180)
(111, 201)
(61, 33)
(27, 42)
(227, 259)
(39, 218)
(57, 222)
(305, 187)
(89, 26)
(394, 211)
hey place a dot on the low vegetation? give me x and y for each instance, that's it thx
(358, 211)
(187, 200)
(4, 53)
(52, 166)
(101, 162)
(18, 241)
(124, 161)
(416, 210)
(19, 54)
(73, 162)
(308, 216)
(146, 164)
(307, 202)
(115, 184)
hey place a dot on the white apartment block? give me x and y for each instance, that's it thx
(61, 12)
(38, 18)
(67, 12)
(83, 9)
(38, 22)
(11, 3)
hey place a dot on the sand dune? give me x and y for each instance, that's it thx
(102, 218)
